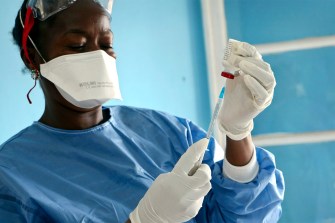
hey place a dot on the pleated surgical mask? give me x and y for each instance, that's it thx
(86, 80)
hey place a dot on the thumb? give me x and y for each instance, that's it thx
(191, 156)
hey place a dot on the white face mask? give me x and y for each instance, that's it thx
(86, 80)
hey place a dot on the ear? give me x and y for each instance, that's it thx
(35, 60)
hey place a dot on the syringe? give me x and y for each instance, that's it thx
(215, 114)
(210, 130)
(229, 72)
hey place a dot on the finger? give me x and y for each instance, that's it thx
(191, 156)
(245, 49)
(202, 176)
(228, 67)
(260, 94)
(235, 60)
(193, 209)
(205, 189)
(260, 63)
(198, 193)
(202, 191)
(265, 78)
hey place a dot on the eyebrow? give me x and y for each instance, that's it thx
(83, 32)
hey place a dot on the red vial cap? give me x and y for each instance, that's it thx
(227, 75)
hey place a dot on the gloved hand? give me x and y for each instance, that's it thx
(175, 196)
(247, 94)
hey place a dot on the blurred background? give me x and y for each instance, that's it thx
(169, 58)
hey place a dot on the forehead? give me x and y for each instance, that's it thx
(82, 14)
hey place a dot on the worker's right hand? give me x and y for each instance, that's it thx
(176, 196)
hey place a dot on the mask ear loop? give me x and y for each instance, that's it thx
(27, 27)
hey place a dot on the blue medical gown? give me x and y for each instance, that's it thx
(100, 174)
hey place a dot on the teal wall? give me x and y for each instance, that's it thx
(264, 21)
(161, 62)
(304, 99)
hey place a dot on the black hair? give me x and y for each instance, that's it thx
(18, 28)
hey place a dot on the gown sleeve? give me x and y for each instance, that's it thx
(9, 210)
(10, 206)
(256, 201)
(13, 208)
(230, 201)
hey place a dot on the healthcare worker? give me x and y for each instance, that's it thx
(81, 162)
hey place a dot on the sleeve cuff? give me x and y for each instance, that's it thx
(241, 174)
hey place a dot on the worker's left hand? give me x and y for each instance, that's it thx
(247, 94)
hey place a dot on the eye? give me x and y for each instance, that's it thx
(108, 48)
(77, 47)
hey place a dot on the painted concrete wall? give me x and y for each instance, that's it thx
(304, 98)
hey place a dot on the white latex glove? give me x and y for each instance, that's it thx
(248, 94)
(175, 196)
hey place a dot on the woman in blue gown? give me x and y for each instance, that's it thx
(82, 162)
